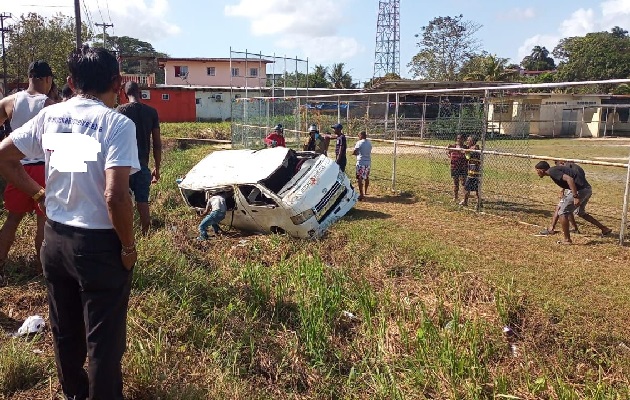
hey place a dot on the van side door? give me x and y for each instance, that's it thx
(263, 208)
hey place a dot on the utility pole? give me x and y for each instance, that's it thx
(105, 26)
(4, 16)
(77, 23)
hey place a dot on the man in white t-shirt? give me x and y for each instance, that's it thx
(214, 213)
(89, 250)
(363, 151)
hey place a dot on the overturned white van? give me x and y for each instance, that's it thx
(276, 190)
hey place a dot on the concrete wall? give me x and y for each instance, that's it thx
(198, 73)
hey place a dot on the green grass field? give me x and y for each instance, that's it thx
(405, 298)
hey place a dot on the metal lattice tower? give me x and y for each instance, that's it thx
(387, 53)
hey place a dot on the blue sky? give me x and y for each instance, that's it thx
(329, 31)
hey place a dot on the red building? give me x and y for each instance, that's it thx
(173, 104)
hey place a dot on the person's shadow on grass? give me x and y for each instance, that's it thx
(359, 214)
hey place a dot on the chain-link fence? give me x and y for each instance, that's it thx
(411, 133)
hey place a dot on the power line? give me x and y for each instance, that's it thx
(108, 14)
(89, 17)
(99, 11)
(42, 5)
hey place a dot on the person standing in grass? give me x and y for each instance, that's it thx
(147, 131)
(214, 213)
(474, 167)
(276, 137)
(363, 151)
(578, 195)
(310, 144)
(459, 165)
(19, 108)
(340, 147)
(88, 252)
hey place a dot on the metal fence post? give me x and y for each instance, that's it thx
(486, 106)
(624, 212)
(387, 113)
(395, 140)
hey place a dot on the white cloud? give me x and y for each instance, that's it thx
(311, 27)
(323, 49)
(143, 19)
(518, 14)
(582, 21)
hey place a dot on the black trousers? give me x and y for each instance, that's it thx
(88, 295)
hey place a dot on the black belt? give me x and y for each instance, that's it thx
(36, 163)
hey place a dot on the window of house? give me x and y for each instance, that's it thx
(166, 96)
(197, 101)
(181, 70)
(211, 71)
(253, 72)
(235, 72)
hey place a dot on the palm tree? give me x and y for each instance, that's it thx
(539, 53)
(490, 69)
(538, 60)
(317, 78)
(338, 78)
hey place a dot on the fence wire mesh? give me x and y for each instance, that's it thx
(411, 133)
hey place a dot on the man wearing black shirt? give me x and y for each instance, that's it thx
(147, 131)
(579, 192)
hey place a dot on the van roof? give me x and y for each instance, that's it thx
(234, 167)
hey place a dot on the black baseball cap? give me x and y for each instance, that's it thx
(39, 69)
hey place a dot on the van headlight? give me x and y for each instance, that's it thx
(302, 217)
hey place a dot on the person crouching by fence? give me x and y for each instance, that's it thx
(459, 165)
(214, 213)
(578, 193)
(474, 168)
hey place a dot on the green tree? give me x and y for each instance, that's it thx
(317, 78)
(538, 60)
(488, 68)
(34, 37)
(339, 78)
(619, 32)
(374, 82)
(596, 56)
(447, 44)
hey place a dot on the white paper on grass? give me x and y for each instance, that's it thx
(33, 324)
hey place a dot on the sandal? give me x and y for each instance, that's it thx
(546, 232)
(564, 242)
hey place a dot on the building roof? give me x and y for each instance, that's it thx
(413, 84)
(234, 167)
(215, 59)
